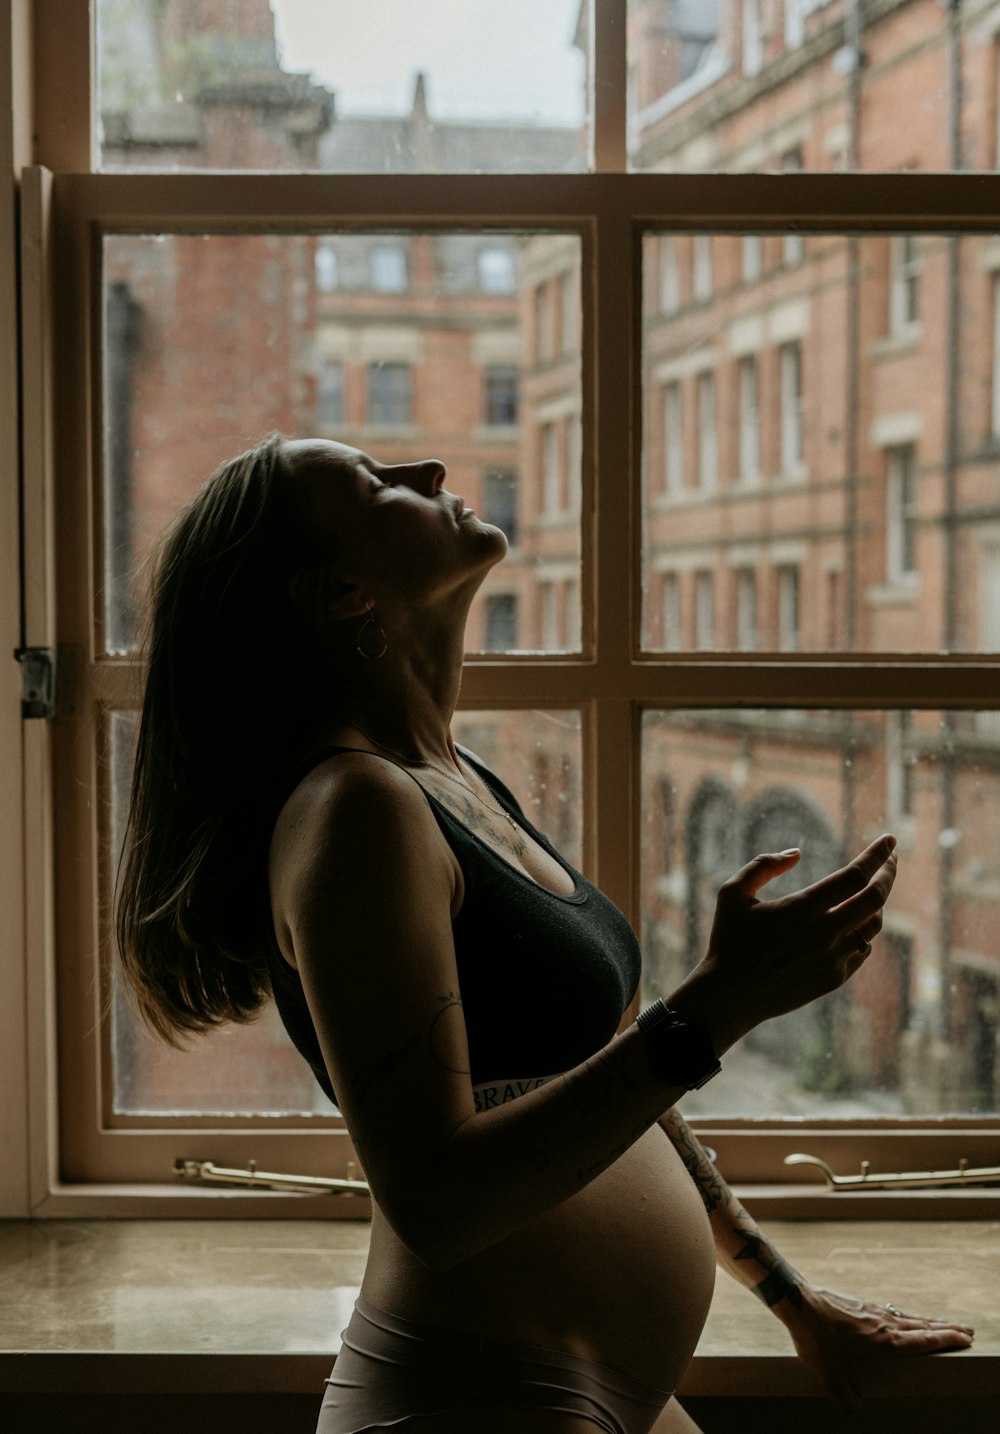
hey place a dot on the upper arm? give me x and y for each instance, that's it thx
(366, 881)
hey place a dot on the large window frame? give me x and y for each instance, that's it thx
(65, 209)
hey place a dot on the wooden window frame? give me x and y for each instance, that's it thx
(611, 682)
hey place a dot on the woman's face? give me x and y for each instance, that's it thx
(396, 531)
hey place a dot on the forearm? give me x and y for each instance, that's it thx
(740, 1246)
(522, 1159)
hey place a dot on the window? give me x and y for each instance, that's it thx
(545, 339)
(501, 622)
(753, 38)
(501, 384)
(790, 377)
(704, 612)
(326, 268)
(749, 421)
(729, 747)
(746, 609)
(904, 282)
(331, 395)
(708, 463)
(701, 275)
(901, 515)
(551, 470)
(390, 395)
(569, 313)
(497, 270)
(751, 258)
(673, 438)
(499, 501)
(672, 636)
(995, 374)
(389, 269)
(793, 246)
(789, 627)
(670, 283)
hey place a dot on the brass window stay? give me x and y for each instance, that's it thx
(254, 1179)
(965, 1174)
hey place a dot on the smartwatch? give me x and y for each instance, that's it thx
(679, 1052)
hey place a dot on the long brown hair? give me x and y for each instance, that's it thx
(230, 691)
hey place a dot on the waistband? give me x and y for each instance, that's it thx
(492, 1093)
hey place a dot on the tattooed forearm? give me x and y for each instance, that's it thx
(782, 1281)
(712, 1188)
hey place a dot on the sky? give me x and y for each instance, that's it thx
(484, 59)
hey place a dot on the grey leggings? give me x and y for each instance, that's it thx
(392, 1369)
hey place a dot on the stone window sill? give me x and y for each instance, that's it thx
(244, 1306)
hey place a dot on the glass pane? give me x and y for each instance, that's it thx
(380, 86)
(405, 345)
(539, 756)
(821, 440)
(254, 1070)
(239, 1070)
(753, 85)
(915, 1031)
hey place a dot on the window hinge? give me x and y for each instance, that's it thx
(965, 1174)
(255, 1179)
(38, 681)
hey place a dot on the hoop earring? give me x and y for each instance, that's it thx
(376, 638)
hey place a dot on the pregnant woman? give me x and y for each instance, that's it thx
(304, 827)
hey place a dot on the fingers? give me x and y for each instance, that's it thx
(855, 877)
(757, 873)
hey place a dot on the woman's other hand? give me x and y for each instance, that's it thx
(768, 957)
(835, 1335)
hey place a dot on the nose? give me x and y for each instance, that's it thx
(427, 476)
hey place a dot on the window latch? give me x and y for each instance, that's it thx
(253, 1179)
(38, 681)
(964, 1174)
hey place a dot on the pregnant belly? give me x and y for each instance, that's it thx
(622, 1273)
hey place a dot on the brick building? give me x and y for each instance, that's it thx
(821, 440)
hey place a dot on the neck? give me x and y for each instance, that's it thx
(406, 699)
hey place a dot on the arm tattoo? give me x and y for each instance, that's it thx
(603, 1077)
(781, 1280)
(436, 1035)
(711, 1187)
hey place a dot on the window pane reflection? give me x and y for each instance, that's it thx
(915, 1032)
(821, 438)
(402, 345)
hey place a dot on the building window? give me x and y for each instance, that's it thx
(544, 324)
(904, 282)
(753, 38)
(388, 269)
(795, 23)
(551, 470)
(497, 271)
(749, 421)
(569, 313)
(708, 461)
(746, 610)
(326, 267)
(995, 361)
(673, 438)
(501, 622)
(790, 366)
(701, 274)
(389, 395)
(901, 514)
(330, 389)
(789, 623)
(498, 504)
(671, 612)
(704, 612)
(550, 619)
(751, 258)
(898, 766)
(670, 282)
(793, 246)
(501, 384)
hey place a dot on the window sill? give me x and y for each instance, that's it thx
(900, 594)
(118, 1307)
(900, 341)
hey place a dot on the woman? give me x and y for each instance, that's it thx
(303, 824)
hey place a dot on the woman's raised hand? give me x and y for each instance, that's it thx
(768, 957)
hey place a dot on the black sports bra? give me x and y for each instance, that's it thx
(544, 977)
